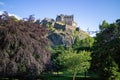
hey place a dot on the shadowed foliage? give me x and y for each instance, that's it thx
(106, 54)
(23, 48)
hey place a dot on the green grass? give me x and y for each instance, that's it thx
(67, 76)
(63, 76)
(53, 77)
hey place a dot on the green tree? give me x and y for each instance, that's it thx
(104, 25)
(56, 51)
(105, 58)
(75, 62)
(83, 44)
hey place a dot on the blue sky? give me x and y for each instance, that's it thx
(87, 13)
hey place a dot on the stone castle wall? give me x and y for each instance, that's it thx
(67, 19)
(63, 22)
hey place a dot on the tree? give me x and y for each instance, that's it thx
(23, 48)
(105, 58)
(75, 62)
(56, 51)
(83, 44)
(104, 25)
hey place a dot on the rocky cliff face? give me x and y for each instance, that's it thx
(65, 38)
(61, 33)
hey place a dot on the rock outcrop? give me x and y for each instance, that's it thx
(65, 38)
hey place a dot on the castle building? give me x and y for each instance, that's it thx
(67, 19)
(62, 22)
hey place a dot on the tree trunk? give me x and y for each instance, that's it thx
(85, 74)
(74, 75)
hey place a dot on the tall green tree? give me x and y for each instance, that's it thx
(75, 62)
(106, 52)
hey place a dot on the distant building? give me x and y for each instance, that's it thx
(67, 19)
(62, 22)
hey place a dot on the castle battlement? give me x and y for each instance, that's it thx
(67, 19)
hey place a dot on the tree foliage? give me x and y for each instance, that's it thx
(106, 51)
(23, 48)
(56, 51)
(104, 25)
(75, 62)
(83, 44)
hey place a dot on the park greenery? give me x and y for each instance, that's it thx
(25, 53)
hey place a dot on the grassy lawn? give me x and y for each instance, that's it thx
(64, 76)
(48, 77)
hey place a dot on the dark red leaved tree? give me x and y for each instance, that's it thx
(23, 48)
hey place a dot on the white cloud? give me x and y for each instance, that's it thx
(1, 12)
(14, 16)
(10, 14)
(1, 3)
